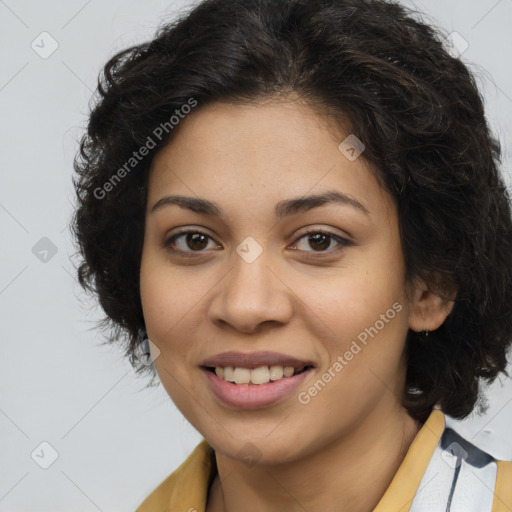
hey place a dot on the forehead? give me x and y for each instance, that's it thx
(271, 125)
(261, 152)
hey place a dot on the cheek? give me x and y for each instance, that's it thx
(162, 304)
(165, 305)
(366, 317)
(172, 302)
(166, 293)
(363, 313)
(354, 299)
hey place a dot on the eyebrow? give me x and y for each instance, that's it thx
(282, 209)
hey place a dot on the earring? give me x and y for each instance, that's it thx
(143, 334)
(425, 332)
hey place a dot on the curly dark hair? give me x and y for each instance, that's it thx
(372, 64)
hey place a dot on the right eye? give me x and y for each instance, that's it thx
(188, 241)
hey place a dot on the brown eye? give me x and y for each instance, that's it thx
(320, 241)
(196, 241)
(187, 242)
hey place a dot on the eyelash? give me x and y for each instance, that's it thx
(342, 242)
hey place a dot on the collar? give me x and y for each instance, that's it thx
(187, 488)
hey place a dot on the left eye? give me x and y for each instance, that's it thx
(321, 241)
(196, 241)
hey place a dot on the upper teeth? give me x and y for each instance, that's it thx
(260, 375)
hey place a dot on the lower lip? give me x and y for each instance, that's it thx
(254, 396)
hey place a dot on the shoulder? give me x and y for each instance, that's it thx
(187, 487)
(503, 490)
(461, 476)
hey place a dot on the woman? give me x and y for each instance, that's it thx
(296, 207)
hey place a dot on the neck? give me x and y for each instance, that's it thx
(348, 474)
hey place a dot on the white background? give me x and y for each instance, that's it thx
(116, 440)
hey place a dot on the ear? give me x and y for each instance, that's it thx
(428, 309)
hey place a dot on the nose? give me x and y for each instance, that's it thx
(251, 294)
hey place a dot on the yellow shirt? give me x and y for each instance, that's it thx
(436, 452)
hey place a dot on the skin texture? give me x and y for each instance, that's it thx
(295, 298)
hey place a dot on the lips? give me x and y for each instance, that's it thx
(253, 360)
(261, 379)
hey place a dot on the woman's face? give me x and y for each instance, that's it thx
(275, 277)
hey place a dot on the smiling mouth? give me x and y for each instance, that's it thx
(256, 376)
